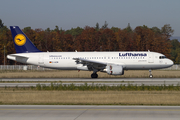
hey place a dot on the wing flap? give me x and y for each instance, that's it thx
(86, 61)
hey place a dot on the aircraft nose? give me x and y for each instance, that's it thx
(170, 62)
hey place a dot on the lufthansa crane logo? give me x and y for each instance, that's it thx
(20, 39)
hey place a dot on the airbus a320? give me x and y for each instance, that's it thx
(113, 63)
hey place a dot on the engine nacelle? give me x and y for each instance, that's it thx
(81, 67)
(115, 70)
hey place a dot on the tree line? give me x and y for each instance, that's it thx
(96, 38)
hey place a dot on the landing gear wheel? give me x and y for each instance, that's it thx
(94, 75)
(150, 74)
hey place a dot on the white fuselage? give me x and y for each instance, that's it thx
(64, 60)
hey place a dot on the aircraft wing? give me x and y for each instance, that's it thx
(91, 64)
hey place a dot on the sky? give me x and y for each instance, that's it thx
(67, 14)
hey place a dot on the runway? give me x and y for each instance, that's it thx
(78, 112)
(108, 82)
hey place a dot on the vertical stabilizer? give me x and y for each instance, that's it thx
(21, 41)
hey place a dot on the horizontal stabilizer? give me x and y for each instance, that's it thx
(18, 57)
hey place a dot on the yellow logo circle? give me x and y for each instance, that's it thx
(20, 39)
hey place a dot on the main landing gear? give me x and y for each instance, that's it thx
(94, 75)
(150, 74)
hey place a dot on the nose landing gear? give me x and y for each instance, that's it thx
(150, 74)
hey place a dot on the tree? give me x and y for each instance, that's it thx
(48, 39)
(167, 31)
(156, 30)
(105, 25)
(178, 59)
(1, 24)
(175, 50)
(97, 27)
(144, 27)
(56, 29)
(40, 40)
(87, 40)
(26, 29)
(108, 40)
(74, 31)
(175, 44)
(128, 28)
(122, 39)
(30, 33)
(115, 29)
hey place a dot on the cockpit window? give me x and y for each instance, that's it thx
(162, 57)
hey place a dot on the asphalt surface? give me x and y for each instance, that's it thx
(77, 112)
(108, 82)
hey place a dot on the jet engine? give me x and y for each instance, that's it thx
(114, 70)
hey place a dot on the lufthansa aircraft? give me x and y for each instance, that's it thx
(113, 63)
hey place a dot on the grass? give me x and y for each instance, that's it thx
(92, 87)
(90, 97)
(87, 74)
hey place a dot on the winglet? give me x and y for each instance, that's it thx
(21, 41)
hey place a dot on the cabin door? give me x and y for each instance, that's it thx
(150, 57)
(41, 59)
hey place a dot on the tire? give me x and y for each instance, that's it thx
(94, 75)
(151, 76)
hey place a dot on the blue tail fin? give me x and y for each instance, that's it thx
(21, 41)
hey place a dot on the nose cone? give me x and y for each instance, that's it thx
(170, 63)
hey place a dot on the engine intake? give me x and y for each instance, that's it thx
(115, 70)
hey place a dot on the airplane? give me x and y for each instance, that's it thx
(113, 63)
